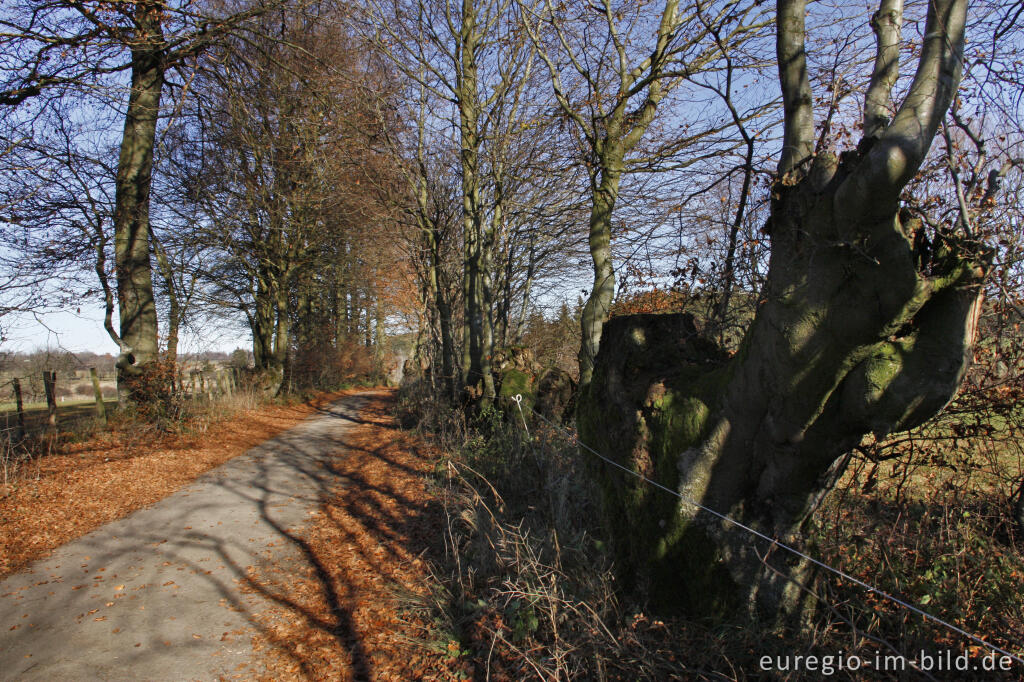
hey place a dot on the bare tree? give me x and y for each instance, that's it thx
(279, 164)
(858, 331)
(63, 46)
(610, 83)
(474, 59)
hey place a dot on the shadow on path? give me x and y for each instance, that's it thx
(176, 590)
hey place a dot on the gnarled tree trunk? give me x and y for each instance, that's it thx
(857, 333)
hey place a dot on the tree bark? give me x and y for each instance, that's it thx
(174, 312)
(444, 311)
(595, 311)
(262, 324)
(855, 334)
(20, 407)
(524, 309)
(136, 304)
(887, 24)
(282, 336)
(50, 388)
(101, 408)
(476, 354)
(797, 101)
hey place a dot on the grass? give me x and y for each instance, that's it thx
(529, 590)
(77, 422)
(36, 414)
(936, 527)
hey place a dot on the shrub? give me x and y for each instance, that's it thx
(529, 590)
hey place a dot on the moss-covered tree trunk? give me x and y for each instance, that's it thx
(262, 323)
(282, 333)
(857, 333)
(136, 304)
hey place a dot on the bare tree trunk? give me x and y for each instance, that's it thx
(595, 311)
(378, 344)
(50, 387)
(20, 408)
(263, 324)
(887, 23)
(487, 305)
(282, 337)
(444, 314)
(131, 216)
(729, 270)
(174, 312)
(524, 309)
(478, 341)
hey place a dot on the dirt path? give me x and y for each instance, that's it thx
(159, 595)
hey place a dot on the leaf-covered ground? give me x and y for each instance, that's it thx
(370, 543)
(65, 495)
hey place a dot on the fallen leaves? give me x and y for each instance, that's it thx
(343, 622)
(112, 475)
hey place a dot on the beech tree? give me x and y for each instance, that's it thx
(278, 162)
(62, 46)
(860, 331)
(610, 85)
(475, 64)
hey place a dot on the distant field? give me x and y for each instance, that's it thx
(67, 412)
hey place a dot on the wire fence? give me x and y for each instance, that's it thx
(774, 542)
(36, 402)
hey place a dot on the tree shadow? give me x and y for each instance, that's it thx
(362, 496)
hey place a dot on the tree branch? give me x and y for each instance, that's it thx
(893, 161)
(798, 107)
(887, 23)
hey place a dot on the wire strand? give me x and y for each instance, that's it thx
(777, 543)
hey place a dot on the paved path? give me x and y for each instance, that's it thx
(155, 596)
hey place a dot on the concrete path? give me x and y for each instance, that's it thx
(156, 595)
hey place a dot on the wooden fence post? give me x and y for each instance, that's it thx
(101, 409)
(21, 408)
(50, 386)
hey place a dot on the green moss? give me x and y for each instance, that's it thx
(517, 382)
(679, 420)
(885, 365)
(514, 381)
(645, 408)
(688, 575)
